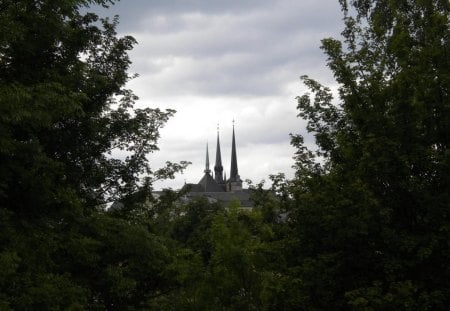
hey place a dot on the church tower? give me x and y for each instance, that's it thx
(215, 186)
(207, 170)
(207, 183)
(218, 168)
(234, 183)
(219, 182)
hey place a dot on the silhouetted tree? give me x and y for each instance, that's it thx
(373, 201)
(64, 112)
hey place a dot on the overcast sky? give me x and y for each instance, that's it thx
(218, 60)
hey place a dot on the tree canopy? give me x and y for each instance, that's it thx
(373, 200)
(364, 225)
(64, 111)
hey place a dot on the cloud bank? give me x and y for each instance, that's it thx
(215, 61)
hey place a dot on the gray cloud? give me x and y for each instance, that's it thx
(223, 54)
(215, 60)
(141, 13)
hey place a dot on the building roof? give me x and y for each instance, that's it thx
(242, 197)
(208, 184)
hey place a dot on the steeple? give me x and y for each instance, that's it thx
(234, 169)
(235, 182)
(207, 183)
(207, 170)
(218, 168)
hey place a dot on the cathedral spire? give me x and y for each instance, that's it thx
(235, 182)
(207, 170)
(218, 168)
(234, 169)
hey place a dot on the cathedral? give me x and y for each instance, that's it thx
(215, 186)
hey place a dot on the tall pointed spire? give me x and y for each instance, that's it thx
(235, 182)
(218, 168)
(207, 183)
(207, 170)
(234, 169)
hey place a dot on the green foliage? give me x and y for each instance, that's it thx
(64, 114)
(372, 201)
(226, 258)
(64, 108)
(364, 225)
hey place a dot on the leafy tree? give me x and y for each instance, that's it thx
(64, 112)
(230, 245)
(64, 108)
(373, 200)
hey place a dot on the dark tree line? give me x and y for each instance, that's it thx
(364, 225)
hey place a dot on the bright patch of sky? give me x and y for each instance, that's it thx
(215, 61)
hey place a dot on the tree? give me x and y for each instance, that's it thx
(64, 108)
(64, 111)
(373, 200)
(232, 245)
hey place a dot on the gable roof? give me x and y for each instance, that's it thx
(208, 184)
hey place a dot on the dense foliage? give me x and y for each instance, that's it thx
(373, 217)
(64, 111)
(364, 225)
